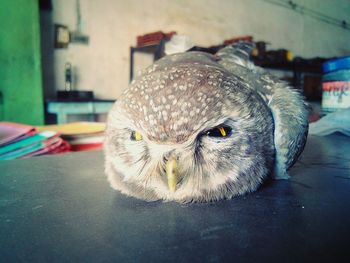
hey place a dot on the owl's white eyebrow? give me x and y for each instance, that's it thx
(224, 121)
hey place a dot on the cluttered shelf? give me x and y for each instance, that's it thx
(306, 72)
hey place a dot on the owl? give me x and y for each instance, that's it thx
(196, 127)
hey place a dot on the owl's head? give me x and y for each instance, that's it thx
(187, 130)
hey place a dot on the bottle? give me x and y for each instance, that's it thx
(68, 77)
(336, 84)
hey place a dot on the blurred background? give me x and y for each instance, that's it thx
(105, 30)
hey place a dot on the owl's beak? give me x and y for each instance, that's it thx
(171, 172)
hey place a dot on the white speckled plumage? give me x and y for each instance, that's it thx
(175, 101)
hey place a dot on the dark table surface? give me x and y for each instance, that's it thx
(61, 209)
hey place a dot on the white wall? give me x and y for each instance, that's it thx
(112, 25)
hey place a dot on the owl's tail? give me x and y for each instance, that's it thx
(238, 53)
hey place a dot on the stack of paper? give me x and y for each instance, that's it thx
(19, 140)
(80, 135)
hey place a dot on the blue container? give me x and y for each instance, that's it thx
(336, 84)
(336, 64)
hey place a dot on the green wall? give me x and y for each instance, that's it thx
(21, 95)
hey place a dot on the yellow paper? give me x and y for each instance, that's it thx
(75, 128)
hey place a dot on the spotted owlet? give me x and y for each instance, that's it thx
(201, 127)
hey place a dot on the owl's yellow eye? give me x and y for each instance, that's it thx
(136, 136)
(221, 132)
